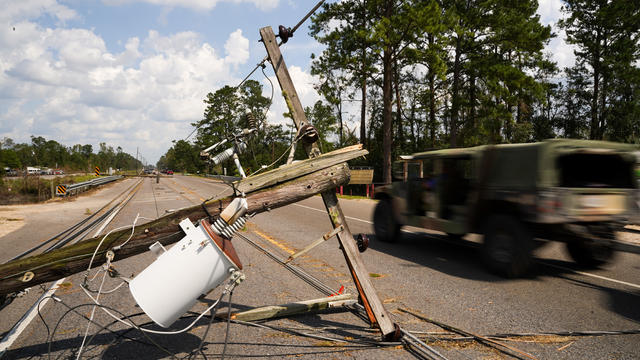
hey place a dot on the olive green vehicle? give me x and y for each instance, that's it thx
(516, 195)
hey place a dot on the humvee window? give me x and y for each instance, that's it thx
(596, 171)
(413, 171)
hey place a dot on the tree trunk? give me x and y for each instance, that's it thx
(595, 131)
(471, 122)
(386, 118)
(387, 78)
(455, 101)
(363, 112)
(400, 143)
(363, 105)
(603, 92)
(339, 109)
(412, 126)
(432, 101)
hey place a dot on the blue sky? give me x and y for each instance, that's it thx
(133, 73)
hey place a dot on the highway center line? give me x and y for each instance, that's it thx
(636, 286)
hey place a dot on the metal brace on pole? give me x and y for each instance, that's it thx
(324, 238)
(376, 312)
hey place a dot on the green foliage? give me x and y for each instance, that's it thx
(606, 71)
(224, 117)
(451, 72)
(325, 123)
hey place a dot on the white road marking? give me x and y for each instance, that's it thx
(26, 319)
(325, 211)
(593, 275)
(636, 286)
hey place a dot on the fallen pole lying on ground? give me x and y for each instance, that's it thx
(294, 308)
(270, 190)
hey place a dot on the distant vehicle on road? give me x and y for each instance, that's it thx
(575, 191)
(32, 170)
(10, 172)
(58, 172)
(169, 172)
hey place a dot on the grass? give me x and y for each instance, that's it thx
(360, 197)
(17, 190)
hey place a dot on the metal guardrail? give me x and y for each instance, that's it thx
(224, 177)
(73, 189)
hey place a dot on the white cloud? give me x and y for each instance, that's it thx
(236, 48)
(64, 84)
(15, 11)
(549, 11)
(561, 52)
(198, 5)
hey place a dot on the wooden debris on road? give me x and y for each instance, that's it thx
(294, 308)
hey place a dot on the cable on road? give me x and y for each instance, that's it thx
(155, 200)
(424, 351)
(509, 350)
(561, 333)
(108, 308)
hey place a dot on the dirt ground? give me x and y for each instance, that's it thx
(14, 217)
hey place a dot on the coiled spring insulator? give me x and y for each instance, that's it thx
(223, 229)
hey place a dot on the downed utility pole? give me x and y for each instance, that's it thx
(269, 190)
(377, 314)
(294, 308)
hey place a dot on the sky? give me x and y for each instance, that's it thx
(134, 73)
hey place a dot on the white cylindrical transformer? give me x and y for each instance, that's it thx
(195, 265)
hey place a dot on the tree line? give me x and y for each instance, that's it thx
(49, 153)
(449, 73)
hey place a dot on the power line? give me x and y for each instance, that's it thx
(261, 63)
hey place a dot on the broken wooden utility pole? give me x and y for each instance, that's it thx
(295, 308)
(376, 312)
(269, 190)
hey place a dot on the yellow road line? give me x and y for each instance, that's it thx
(275, 242)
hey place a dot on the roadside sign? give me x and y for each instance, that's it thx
(61, 189)
(97, 171)
(361, 176)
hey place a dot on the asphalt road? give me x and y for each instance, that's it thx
(422, 272)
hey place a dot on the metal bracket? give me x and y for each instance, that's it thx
(324, 238)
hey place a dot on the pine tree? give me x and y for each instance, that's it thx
(606, 34)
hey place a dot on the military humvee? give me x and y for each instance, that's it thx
(575, 191)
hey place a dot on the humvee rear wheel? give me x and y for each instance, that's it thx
(592, 253)
(384, 223)
(507, 246)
